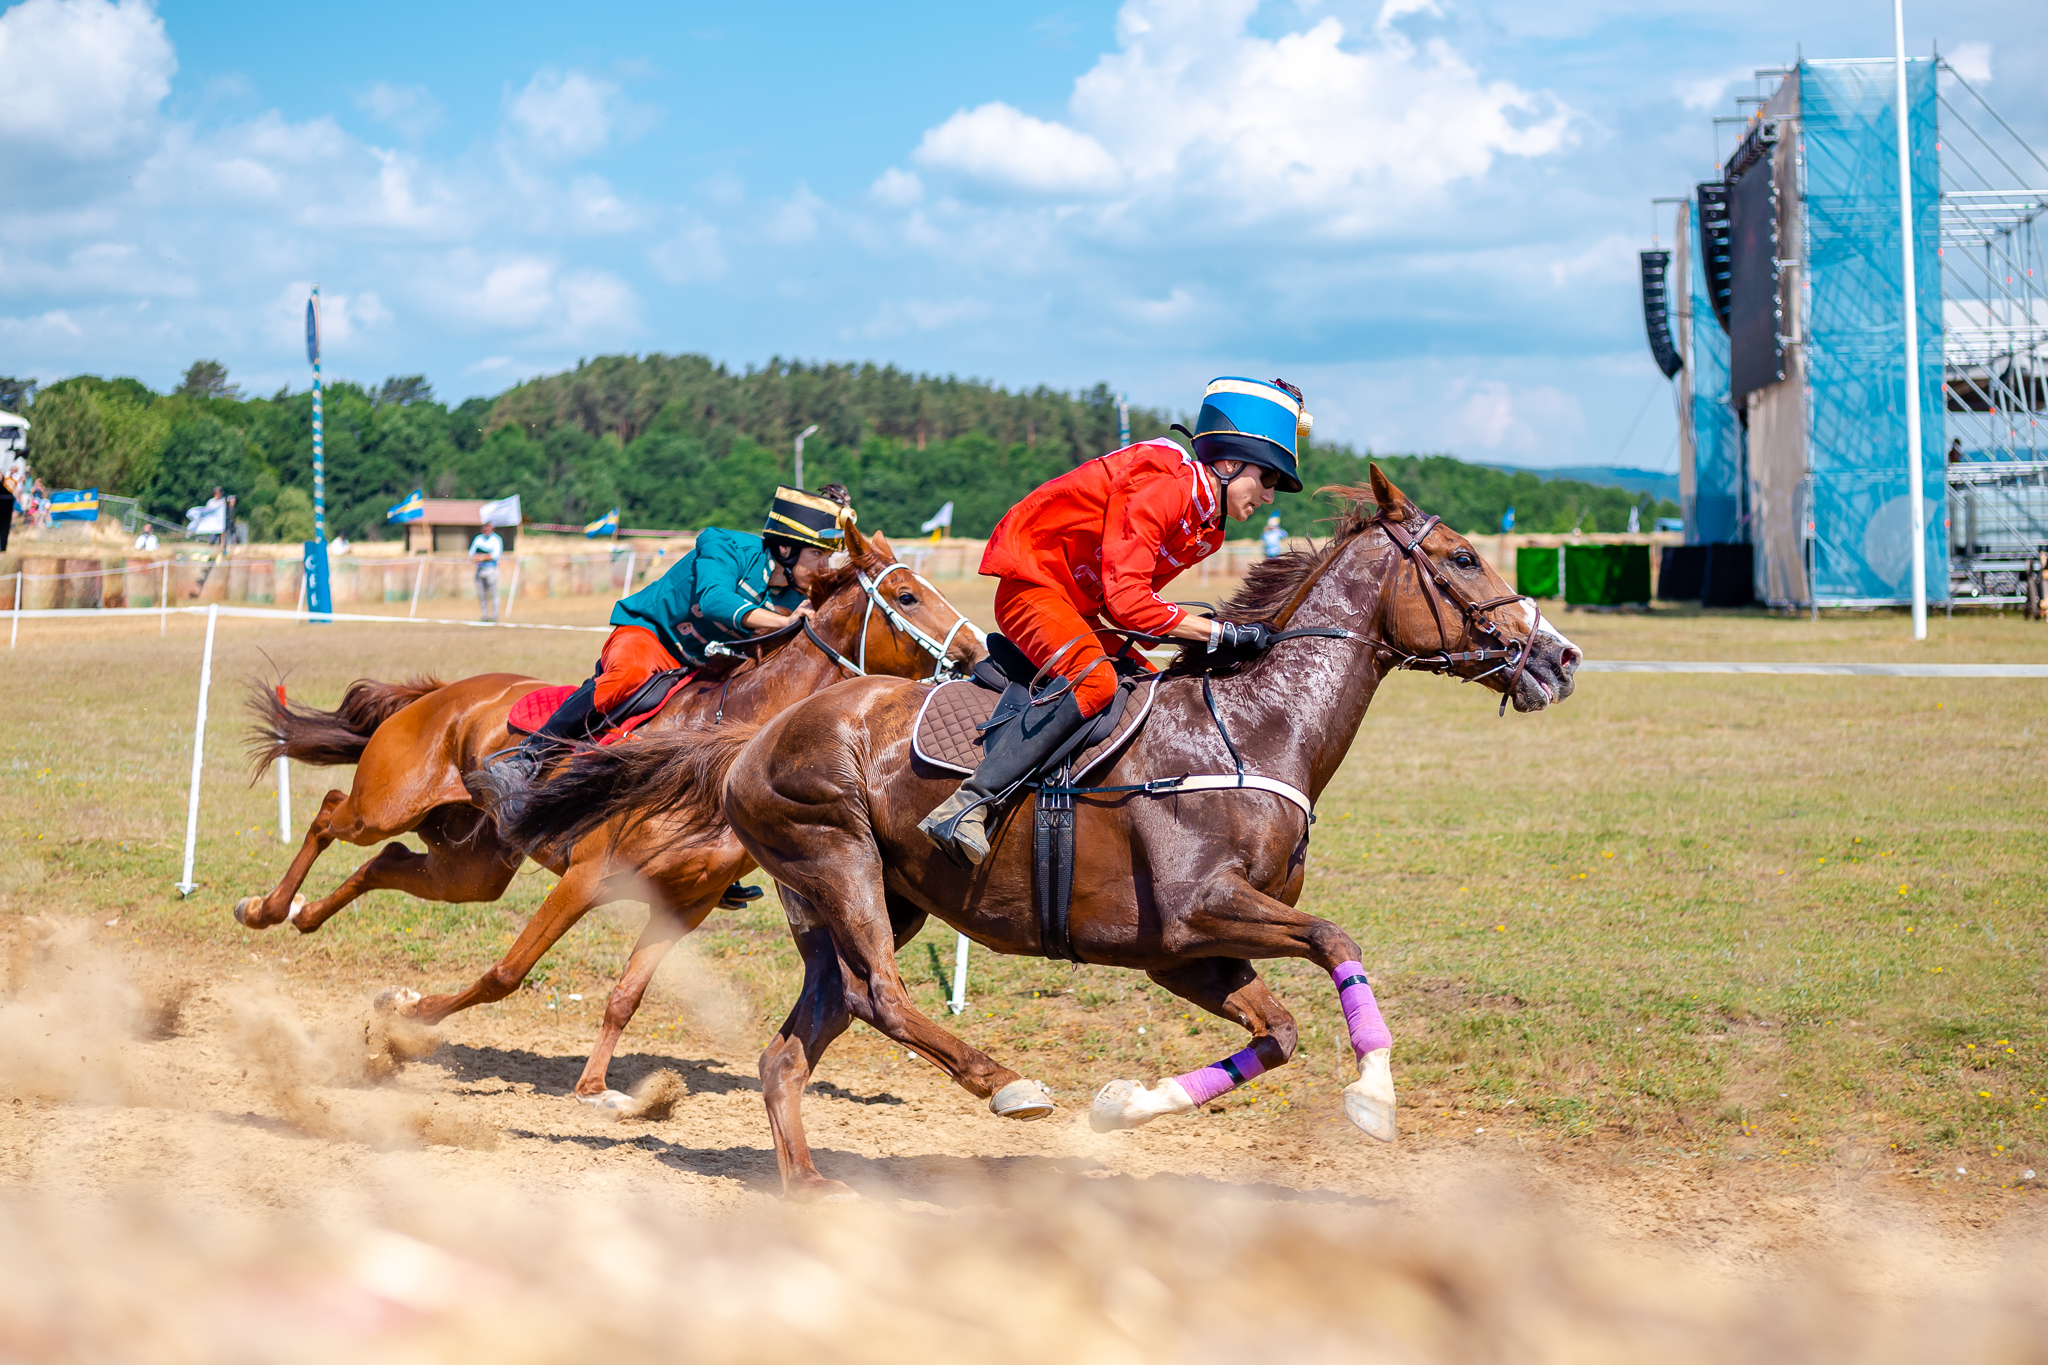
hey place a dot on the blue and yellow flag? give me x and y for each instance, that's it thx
(604, 525)
(412, 509)
(75, 504)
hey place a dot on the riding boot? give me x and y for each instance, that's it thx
(507, 776)
(1011, 753)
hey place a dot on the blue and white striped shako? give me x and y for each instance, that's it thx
(1250, 419)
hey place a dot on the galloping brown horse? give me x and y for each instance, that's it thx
(1189, 887)
(414, 744)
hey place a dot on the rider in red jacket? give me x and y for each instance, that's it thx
(1093, 548)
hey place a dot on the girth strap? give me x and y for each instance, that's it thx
(1052, 868)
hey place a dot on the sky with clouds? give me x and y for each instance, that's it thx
(1423, 211)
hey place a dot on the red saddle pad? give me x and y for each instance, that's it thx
(531, 711)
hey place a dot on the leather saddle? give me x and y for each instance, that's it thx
(533, 710)
(953, 725)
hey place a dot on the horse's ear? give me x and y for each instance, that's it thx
(856, 543)
(881, 546)
(1393, 503)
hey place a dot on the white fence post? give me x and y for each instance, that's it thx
(14, 629)
(959, 1000)
(631, 556)
(284, 788)
(186, 886)
(511, 593)
(163, 599)
(417, 579)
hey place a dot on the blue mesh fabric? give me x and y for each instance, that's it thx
(1716, 513)
(1856, 372)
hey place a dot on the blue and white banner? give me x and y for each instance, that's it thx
(503, 512)
(604, 525)
(412, 508)
(75, 504)
(943, 521)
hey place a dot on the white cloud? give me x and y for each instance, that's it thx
(1499, 419)
(409, 110)
(897, 189)
(1198, 121)
(693, 254)
(795, 220)
(1004, 147)
(532, 294)
(1707, 92)
(83, 77)
(566, 114)
(1972, 61)
(917, 315)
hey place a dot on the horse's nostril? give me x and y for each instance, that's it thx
(1569, 660)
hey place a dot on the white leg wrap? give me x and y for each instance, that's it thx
(1126, 1104)
(1369, 1100)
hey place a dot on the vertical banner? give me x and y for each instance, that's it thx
(319, 599)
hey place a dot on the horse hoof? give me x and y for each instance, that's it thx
(612, 1102)
(245, 907)
(1126, 1104)
(397, 1000)
(1021, 1100)
(1369, 1100)
(820, 1191)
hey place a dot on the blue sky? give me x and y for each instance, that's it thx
(1423, 211)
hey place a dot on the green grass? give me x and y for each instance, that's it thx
(1789, 920)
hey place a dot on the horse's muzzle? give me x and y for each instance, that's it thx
(1548, 677)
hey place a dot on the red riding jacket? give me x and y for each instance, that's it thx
(1109, 535)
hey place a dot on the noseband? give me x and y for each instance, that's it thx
(1434, 585)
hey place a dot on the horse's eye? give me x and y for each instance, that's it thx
(1464, 560)
(904, 599)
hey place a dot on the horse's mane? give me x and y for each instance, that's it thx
(1271, 584)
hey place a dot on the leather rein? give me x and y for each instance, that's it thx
(756, 647)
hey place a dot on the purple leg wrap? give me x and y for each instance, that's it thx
(1361, 1013)
(1219, 1078)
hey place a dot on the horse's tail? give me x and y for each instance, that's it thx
(287, 730)
(681, 773)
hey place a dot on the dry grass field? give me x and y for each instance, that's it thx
(1789, 920)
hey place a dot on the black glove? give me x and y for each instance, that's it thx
(1253, 637)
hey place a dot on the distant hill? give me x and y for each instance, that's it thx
(1659, 486)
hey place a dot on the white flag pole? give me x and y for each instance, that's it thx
(959, 1000)
(512, 593)
(284, 788)
(631, 556)
(186, 886)
(1915, 495)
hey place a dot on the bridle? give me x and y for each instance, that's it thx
(938, 649)
(1434, 584)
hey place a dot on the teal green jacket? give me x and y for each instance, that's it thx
(704, 596)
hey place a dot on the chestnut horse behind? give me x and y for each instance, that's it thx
(415, 743)
(1190, 888)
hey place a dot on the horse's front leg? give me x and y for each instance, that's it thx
(1229, 989)
(1228, 917)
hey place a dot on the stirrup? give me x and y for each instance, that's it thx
(945, 835)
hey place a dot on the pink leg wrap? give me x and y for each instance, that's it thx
(1361, 1013)
(1219, 1078)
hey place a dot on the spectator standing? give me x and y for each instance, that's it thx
(1274, 538)
(147, 540)
(484, 551)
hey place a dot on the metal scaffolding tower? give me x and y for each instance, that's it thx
(1994, 280)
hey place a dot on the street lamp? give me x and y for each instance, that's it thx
(807, 431)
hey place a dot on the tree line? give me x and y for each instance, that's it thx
(674, 442)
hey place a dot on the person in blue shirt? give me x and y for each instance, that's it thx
(731, 586)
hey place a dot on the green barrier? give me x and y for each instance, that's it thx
(1605, 575)
(1536, 570)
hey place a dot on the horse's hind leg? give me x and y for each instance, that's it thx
(465, 862)
(819, 1015)
(260, 912)
(1230, 989)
